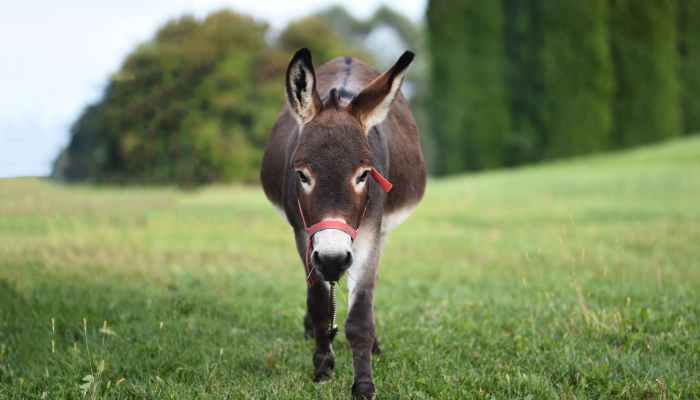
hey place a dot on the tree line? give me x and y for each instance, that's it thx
(509, 82)
(519, 81)
(193, 105)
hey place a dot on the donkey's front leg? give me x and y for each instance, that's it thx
(359, 330)
(318, 302)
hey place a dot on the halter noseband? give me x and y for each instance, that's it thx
(332, 224)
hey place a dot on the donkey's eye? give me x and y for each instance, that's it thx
(303, 178)
(362, 177)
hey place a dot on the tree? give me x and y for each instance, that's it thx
(193, 105)
(469, 98)
(523, 36)
(320, 38)
(575, 77)
(689, 51)
(644, 48)
(577, 82)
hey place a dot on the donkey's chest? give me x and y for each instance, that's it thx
(396, 217)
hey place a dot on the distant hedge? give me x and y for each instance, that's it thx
(469, 103)
(576, 77)
(525, 83)
(644, 47)
(689, 50)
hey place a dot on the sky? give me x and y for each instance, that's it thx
(56, 57)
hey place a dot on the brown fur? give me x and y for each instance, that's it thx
(406, 165)
(335, 143)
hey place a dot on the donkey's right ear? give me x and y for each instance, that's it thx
(302, 96)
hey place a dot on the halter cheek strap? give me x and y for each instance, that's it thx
(331, 224)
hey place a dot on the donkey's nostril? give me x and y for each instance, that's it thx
(348, 259)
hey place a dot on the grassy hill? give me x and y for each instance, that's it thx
(571, 280)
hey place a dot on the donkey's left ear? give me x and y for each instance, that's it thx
(372, 105)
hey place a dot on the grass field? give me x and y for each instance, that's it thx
(574, 280)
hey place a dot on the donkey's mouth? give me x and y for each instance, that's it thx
(331, 254)
(331, 265)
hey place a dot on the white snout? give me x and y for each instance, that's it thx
(332, 241)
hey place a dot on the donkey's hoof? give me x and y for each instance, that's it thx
(324, 363)
(363, 391)
(324, 375)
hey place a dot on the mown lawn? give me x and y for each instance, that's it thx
(572, 280)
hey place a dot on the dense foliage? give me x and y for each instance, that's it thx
(578, 77)
(509, 82)
(644, 47)
(574, 64)
(193, 105)
(469, 106)
(689, 50)
(523, 35)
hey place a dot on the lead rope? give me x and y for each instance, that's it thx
(333, 327)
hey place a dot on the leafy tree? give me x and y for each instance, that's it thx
(182, 108)
(193, 105)
(353, 30)
(320, 38)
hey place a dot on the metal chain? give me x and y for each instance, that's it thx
(333, 327)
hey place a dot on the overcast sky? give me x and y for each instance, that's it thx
(55, 57)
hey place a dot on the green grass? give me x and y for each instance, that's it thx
(572, 280)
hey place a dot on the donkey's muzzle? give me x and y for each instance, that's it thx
(332, 264)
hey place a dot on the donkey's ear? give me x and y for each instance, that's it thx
(372, 105)
(302, 96)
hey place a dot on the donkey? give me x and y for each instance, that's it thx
(316, 169)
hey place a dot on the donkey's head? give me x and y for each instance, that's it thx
(333, 161)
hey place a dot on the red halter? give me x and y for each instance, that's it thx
(331, 224)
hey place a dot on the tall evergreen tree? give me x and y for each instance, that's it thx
(689, 50)
(644, 48)
(523, 36)
(577, 80)
(469, 97)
